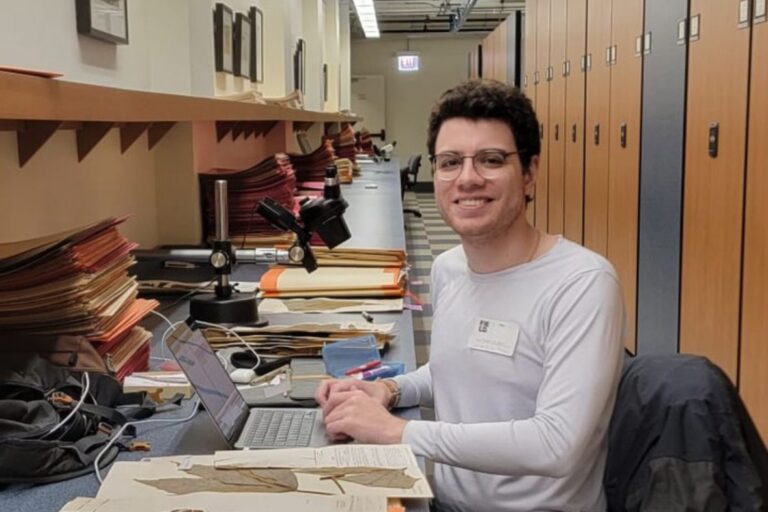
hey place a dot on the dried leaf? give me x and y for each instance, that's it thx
(388, 478)
(235, 480)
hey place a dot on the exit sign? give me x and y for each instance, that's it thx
(409, 62)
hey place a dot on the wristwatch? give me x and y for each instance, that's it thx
(394, 390)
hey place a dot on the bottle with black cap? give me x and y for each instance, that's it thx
(332, 189)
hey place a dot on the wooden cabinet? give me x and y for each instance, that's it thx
(598, 134)
(718, 75)
(573, 127)
(624, 152)
(543, 70)
(753, 378)
(556, 142)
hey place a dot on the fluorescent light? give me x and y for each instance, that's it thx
(366, 13)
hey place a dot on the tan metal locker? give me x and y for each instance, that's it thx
(597, 132)
(573, 200)
(753, 378)
(542, 110)
(500, 56)
(529, 86)
(718, 70)
(624, 160)
(557, 131)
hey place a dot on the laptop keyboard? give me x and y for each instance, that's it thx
(279, 428)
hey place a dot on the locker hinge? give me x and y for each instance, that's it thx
(623, 135)
(550, 73)
(611, 55)
(536, 78)
(647, 43)
(586, 62)
(714, 139)
(682, 31)
(744, 7)
(567, 68)
(694, 26)
(638, 46)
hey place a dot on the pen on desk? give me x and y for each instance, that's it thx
(363, 367)
(379, 372)
(367, 316)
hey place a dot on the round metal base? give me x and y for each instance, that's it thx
(239, 309)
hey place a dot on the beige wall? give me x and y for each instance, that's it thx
(170, 50)
(410, 96)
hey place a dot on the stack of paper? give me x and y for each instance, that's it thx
(305, 339)
(293, 100)
(76, 282)
(334, 282)
(340, 478)
(344, 143)
(364, 142)
(273, 177)
(311, 167)
(346, 170)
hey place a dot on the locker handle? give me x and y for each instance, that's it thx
(597, 135)
(623, 135)
(557, 131)
(714, 139)
(573, 133)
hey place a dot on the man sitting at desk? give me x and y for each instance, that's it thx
(527, 332)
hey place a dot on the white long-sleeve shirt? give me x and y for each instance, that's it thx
(520, 427)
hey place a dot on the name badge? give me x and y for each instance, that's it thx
(494, 336)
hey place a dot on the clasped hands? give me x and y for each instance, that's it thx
(357, 409)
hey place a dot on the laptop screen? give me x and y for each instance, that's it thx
(209, 378)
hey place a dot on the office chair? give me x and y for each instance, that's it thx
(680, 438)
(408, 177)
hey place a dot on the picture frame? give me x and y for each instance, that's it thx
(106, 20)
(223, 38)
(257, 44)
(242, 47)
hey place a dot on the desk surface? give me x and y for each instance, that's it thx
(375, 220)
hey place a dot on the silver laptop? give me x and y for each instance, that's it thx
(241, 426)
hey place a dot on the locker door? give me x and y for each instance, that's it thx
(574, 125)
(542, 111)
(714, 177)
(661, 182)
(753, 379)
(597, 133)
(500, 61)
(529, 85)
(557, 131)
(489, 50)
(624, 160)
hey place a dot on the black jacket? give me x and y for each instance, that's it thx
(681, 440)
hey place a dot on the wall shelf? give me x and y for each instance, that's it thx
(36, 107)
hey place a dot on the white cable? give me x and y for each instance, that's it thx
(134, 423)
(86, 387)
(247, 345)
(170, 327)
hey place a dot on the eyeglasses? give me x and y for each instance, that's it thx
(489, 163)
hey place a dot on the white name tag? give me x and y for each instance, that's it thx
(494, 336)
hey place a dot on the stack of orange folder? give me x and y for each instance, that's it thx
(311, 167)
(273, 177)
(76, 282)
(344, 143)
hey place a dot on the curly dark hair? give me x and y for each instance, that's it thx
(489, 99)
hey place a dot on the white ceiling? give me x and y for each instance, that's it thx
(437, 16)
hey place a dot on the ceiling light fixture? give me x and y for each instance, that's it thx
(366, 14)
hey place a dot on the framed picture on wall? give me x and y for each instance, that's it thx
(257, 44)
(103, 19)
(242, 47)
(222, 38)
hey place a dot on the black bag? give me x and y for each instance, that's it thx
(35, 396)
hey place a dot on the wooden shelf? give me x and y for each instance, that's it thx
(36, 107)
(45, 99)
